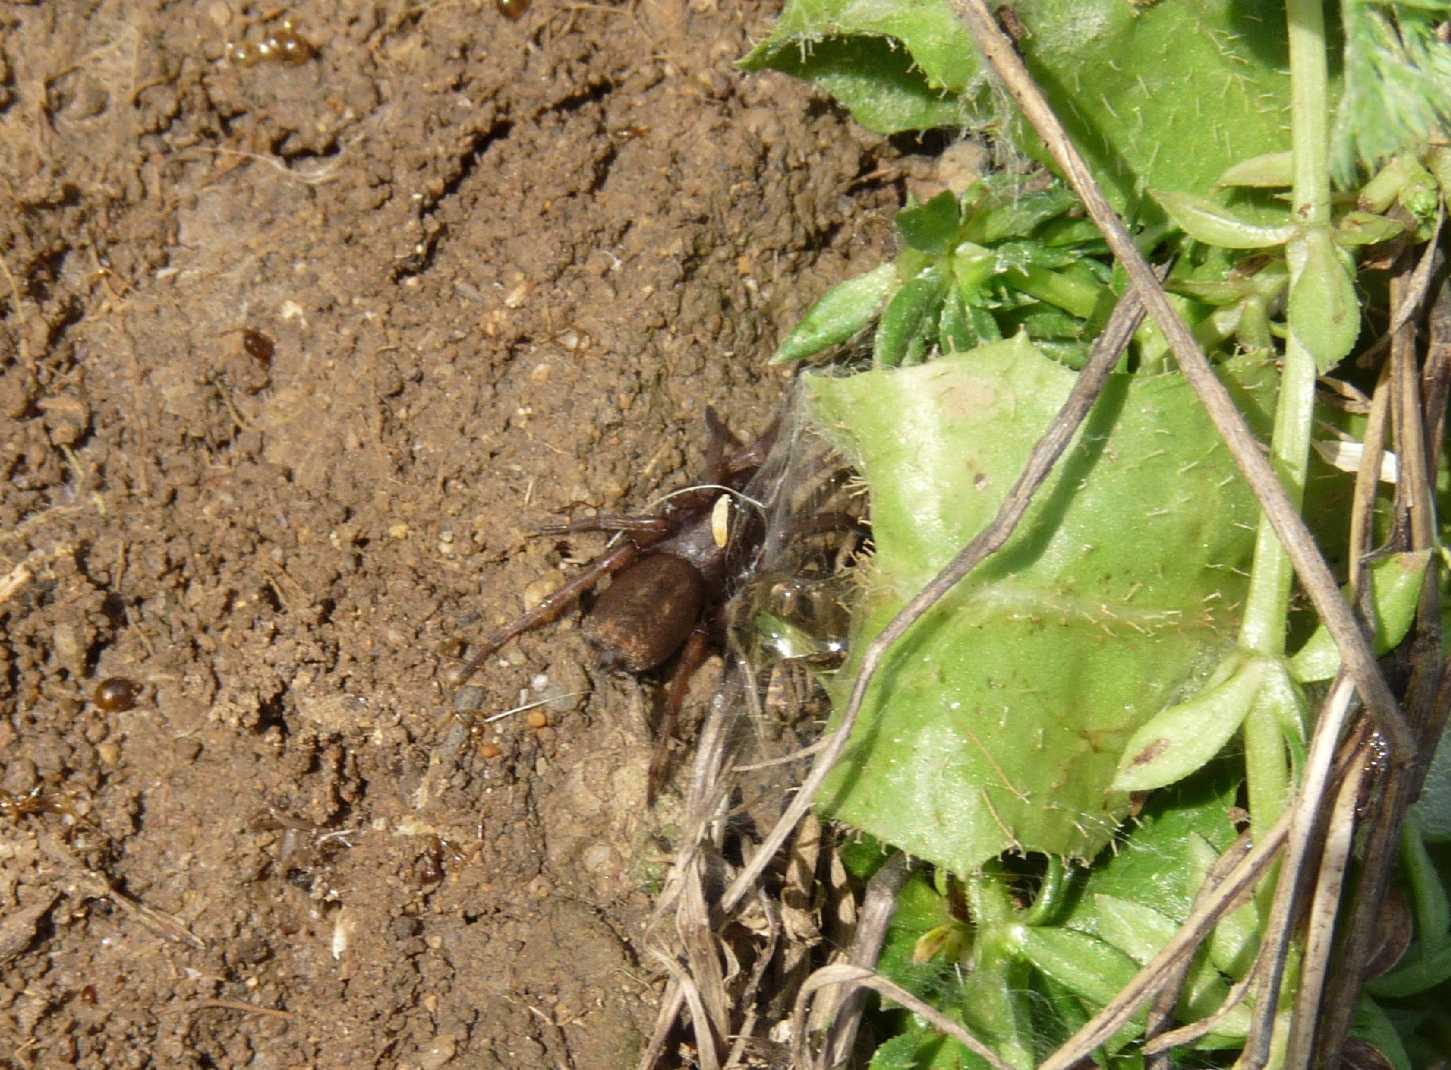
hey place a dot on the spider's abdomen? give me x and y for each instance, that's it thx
(647, 613)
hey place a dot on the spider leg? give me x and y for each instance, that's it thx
(748, 457)
(620, 557)
(692, 656)
(721, 439)
(640, 525)
(829, 523)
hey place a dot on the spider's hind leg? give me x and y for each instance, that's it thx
(691, 657)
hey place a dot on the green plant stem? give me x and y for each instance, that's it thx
(1268, 602)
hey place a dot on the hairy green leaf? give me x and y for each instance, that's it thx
(1084, 964)
(1397, 84)
(846, 308)
(1207, 222)
(931, 227)
(1395, 590)
(1141, 932)
(908, 316)
(1269, 171)
(1324, 313)
(1187, 736)
(854, 50)
(1167, 95)
(999, 720)
(1365, 228)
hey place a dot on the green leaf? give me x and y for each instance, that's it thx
(1236, 938)
(916, 1049)
(954, 331)
(909, 315)
(900, 1052)
(876, 81)
(1395, 591)
(999, 719)
(1020, 215)
(1187, 736)
(1397, 84)
(1142, 932)
(919, 911)
(1418, 973)
(1438, 162)
(855, 51)
(972, 267)
(1166, 95)
(1323, 311)
(1272, 170)
(1433, 808)
(931, 227)
(1207, 222)
(993, 1004)
(1365, 228)
(1084, 964)
(1372, 1025)
(1391, 182)
(847, 308)
(1281, 697)
(1428, 894)
(1162, 858)
(1163, 96)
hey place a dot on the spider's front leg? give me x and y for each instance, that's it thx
(645, 532)
(550, 608)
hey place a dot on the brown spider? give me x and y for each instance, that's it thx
(672, 573)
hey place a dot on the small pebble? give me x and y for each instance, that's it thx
(540, 589)
(468, 699)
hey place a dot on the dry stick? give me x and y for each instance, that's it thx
(745, 1034)
(1367, 481)
(842, 974)
(1416, 489)
(1158, 1048)
(705, 1048)
(706, 800)
(1305, 831)
(878, 905)
(1321, 768)
(1384, 811)
(1412, 299)
(1436, 384)
(703, 961)
(1324, 908)
(1310, 567)
(1126, 317)
(1246, 873)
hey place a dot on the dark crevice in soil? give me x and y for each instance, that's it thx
(329, 151)
(590, 94)
(464, 166)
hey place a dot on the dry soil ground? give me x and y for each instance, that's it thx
(292, 359)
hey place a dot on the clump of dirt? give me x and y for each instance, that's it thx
(293, 358)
